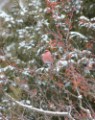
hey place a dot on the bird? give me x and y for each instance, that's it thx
(47, 58)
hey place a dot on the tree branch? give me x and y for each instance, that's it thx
(52, 113)
(82, 108)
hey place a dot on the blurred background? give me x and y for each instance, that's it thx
(3, 3)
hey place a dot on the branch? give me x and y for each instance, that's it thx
(46, 112)
(82, 108)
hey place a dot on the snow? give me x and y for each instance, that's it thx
(61, 64)
(22, 44)
(2, 58)
(22, 6)
(26, 72)
(84, 18)
(9, 67)
(19, 21)
(11, 46)
(75, 34)
(45, 37)
(93, 19)
(6, 16)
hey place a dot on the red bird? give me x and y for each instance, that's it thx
(47, 58)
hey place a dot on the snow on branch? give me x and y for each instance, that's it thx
(77, 34)
(39, 110)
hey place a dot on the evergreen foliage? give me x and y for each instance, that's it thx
(65, 28)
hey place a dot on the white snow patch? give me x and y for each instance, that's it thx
(74, 34)
(84, 18)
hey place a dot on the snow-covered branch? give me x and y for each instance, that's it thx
(46, 112)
